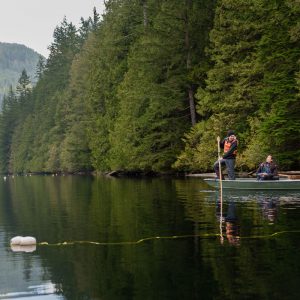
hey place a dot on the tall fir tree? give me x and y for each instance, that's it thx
(250, 87)
(157, 94)
(8, 123)
(108, 64)
(279, 54)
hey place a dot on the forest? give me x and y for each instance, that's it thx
(149, 85)
(13, 59)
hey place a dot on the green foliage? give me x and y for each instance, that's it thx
(107, 56)
(14, 58)
(153, 95)
(200, 147)
(120, 93)
(8, 123)
(24, 86)
(278, 54)
(251, 87)
(34, 141)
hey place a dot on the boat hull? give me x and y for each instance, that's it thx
(253, 184)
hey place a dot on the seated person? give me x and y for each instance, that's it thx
(267, 170)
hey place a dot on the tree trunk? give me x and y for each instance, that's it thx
(192, 106)
(145, 13)
(188, 62)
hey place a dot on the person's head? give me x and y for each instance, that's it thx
(269, 158)
(230, 132)
(231, 136)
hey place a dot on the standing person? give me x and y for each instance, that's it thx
(229, 144)
(267, 170)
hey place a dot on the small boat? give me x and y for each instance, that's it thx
(254, 184)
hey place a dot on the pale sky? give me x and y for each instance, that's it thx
(32, 22)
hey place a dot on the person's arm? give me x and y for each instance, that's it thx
(274, 170)
(259, 170)
(222, 143)
(231, 150)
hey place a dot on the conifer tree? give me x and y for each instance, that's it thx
(108, 63)
(124, 92)
(40, 67)
(24, 86)
(229, 96)
(277, 125)
(8, 122)
(251, 86)
(157, 94)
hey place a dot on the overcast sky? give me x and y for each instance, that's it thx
(32, 22)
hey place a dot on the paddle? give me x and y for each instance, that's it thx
(221, 190)
(219, 160)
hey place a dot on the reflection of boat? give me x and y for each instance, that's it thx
(253, 184)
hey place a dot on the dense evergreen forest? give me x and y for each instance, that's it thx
(14, 58)
(150, 85)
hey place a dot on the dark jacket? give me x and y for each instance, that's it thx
(231, 153)
(269, 168)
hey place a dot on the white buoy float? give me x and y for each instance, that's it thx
(23, 240)
(23, 244)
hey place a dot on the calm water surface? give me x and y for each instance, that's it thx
(246, 249)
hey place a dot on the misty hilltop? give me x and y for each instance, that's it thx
(13, 59)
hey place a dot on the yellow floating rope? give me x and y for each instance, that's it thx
(205, 235)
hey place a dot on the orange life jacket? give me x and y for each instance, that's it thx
(227, 146)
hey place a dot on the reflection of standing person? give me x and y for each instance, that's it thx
(232, 233)
(267, 170)
(231, 225)
(229, 144)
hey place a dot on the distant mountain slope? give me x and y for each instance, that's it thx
(13, 59)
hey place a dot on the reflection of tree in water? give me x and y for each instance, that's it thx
(257, 266)
(124, 210)
(109, 210)
(199, 203)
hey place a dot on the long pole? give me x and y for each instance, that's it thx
(221, 189)
(219, 161)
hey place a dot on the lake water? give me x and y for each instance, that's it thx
(146, 239)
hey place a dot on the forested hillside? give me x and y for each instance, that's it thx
(14, 58)
(151, 85)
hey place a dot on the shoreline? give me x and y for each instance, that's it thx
(148, 174)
